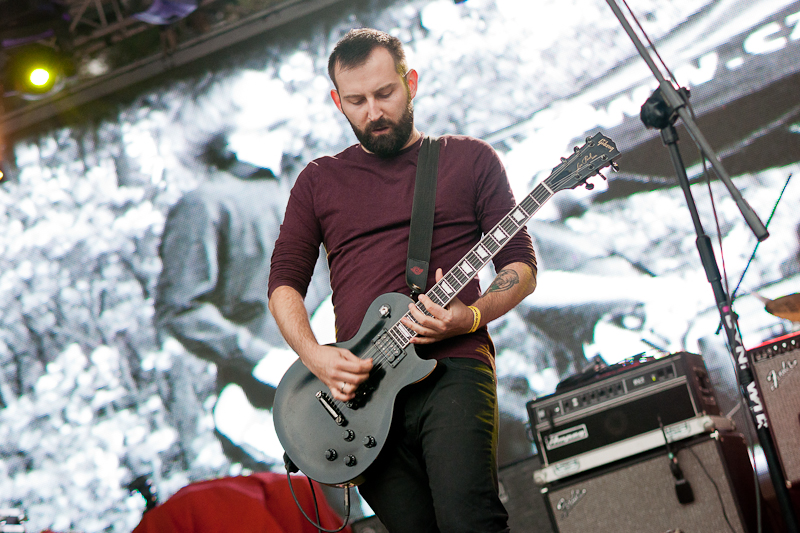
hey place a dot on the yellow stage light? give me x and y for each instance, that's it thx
(34, 71)
(39, 77)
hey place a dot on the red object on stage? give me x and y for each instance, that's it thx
(256, 503)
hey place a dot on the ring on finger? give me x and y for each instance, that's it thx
(343, 385)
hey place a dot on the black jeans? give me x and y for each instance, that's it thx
(438, 472)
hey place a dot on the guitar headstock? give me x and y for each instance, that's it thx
(598, 153)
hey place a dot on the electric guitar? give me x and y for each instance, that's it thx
(334, 442)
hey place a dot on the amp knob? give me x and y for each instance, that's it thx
(350, 460)
(369, 441)
(331, 454)
(348, 435)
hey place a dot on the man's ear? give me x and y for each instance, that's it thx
(336, 99)
(412, 78)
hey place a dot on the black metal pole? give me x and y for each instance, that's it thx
(745, 375)
(665, 106)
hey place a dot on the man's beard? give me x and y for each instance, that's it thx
(390, 143)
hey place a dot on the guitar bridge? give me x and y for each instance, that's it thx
(330, 408)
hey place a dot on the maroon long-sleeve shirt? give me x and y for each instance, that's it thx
(358, 206)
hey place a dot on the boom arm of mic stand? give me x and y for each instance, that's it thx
(675, 100)
(750, 216)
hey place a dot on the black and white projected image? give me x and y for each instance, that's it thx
(98, 386)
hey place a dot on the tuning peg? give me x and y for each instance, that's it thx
(589, 186)
(575, 149)
(614, 166)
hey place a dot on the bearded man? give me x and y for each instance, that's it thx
(438, 470)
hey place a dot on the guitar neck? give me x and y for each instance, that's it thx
(446, 289)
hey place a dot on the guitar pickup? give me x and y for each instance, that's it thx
(327, 402)
(389, 349)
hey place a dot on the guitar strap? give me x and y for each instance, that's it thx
(421, 233)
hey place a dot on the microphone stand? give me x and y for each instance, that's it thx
(661, 111)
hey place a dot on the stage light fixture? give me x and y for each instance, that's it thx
(34, 71)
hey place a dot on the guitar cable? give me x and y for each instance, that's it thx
(291, 468)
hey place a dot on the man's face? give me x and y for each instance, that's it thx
(374, 99)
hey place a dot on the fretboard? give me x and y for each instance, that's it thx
(446, 289)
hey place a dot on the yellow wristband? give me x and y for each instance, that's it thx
(476, 319)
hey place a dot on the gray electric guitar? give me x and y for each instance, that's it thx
(334, 442)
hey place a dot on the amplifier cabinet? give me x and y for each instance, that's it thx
(775, 367)
(638, 495)
(622, 405)
(522, 497)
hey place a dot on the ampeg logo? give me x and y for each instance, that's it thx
(775, 376)
(566, 436)
(566, 505)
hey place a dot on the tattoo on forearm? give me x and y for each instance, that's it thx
(504, 281)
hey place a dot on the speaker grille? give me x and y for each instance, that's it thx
(778, 377)
(638, 496)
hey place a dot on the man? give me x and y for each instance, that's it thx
(439, 471)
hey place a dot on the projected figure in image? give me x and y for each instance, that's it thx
(438, 470)
(212, 291)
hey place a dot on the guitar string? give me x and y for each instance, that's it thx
(382, 358)
(488, 243)
(379, 358)
(453, 273)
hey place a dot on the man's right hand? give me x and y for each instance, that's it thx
(339, 369)
(336, 367)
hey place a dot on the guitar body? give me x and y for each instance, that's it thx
(336, 450)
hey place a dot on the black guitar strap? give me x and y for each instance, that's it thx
(419, 242)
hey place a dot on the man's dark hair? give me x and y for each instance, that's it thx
(355, 48)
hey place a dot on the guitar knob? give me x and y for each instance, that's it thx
(331, 454)
(350, 460)
(348, 435)
(369, 441)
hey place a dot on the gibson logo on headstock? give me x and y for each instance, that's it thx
(604, 143)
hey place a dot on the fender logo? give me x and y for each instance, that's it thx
(774, 377)
(565, 505)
